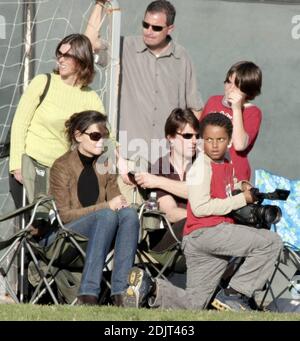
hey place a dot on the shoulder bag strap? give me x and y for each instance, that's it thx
(43, 95)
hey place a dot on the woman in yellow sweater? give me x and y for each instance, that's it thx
(38, 130)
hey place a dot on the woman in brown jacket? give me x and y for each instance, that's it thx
(89, 202)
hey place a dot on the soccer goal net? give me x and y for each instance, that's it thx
(29, 33)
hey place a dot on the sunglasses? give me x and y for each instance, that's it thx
(94, 136)
(155, 28)
(65, 55)
(188, 136)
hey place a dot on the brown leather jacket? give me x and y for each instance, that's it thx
(64, 175)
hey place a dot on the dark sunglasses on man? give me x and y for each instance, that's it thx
(188, 136)
(155, 28)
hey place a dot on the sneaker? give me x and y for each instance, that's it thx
(232, 302)
(140, 285)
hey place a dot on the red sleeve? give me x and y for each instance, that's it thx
(252, 121)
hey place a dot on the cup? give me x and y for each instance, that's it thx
(226, 103)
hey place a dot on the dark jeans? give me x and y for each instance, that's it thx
(101, 227)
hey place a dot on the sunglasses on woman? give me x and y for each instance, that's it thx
(188, 136)
(94, 136)
(155, 28)
(59, 54)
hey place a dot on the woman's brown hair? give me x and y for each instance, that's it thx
(81, 50)
(82, 121)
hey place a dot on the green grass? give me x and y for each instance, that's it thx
(26, 312)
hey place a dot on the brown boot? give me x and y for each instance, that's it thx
(118, 300)
(87, 300)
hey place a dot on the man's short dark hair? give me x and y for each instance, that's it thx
(164, 6)
(178, 119)
(218, 120)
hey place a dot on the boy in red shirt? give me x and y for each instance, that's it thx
(242, 84)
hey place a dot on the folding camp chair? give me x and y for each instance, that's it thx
(62, 262)
(282, 289)
(159, 250)
(17, 245)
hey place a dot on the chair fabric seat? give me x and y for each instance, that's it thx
(66, 254)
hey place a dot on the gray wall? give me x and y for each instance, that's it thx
(219, 33)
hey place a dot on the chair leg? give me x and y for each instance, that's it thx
(279, 285)
(43, 278)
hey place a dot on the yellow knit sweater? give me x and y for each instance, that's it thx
(40, 132)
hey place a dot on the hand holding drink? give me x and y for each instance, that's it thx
(234, 99)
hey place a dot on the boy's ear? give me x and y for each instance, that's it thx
(229, 144)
